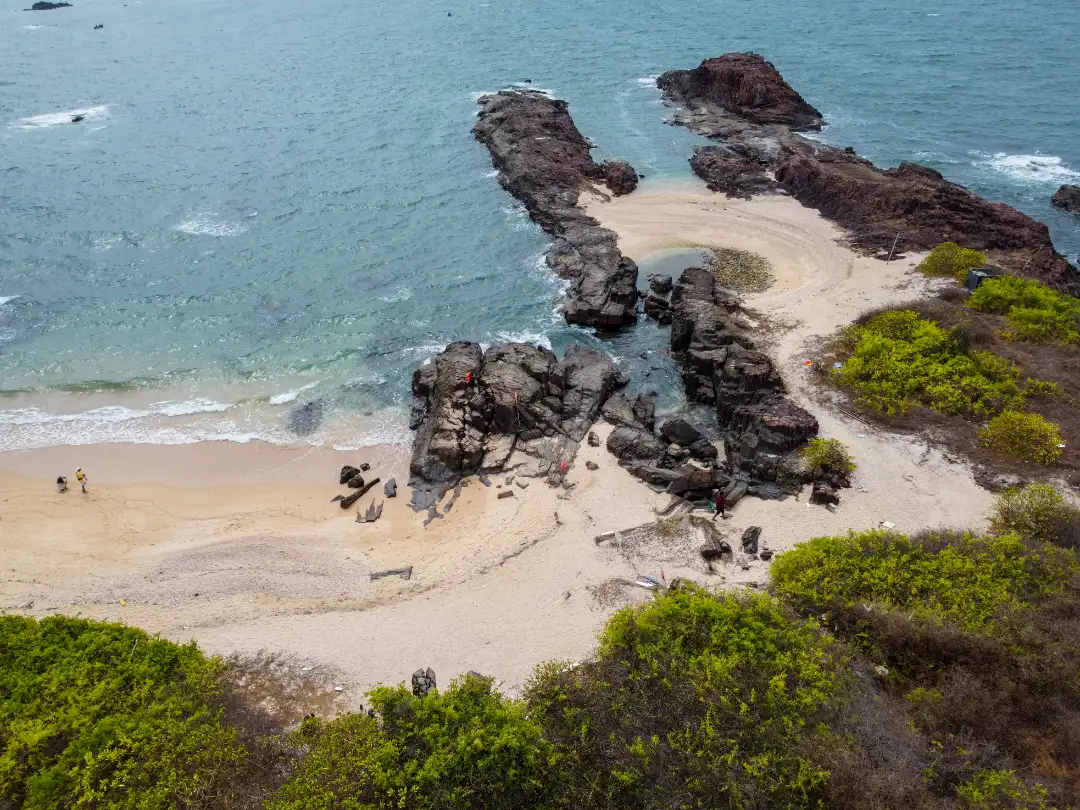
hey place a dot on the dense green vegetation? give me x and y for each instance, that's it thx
(1034, 311)
(933, 671)
(101, 715)
(949, 259)
(898, 360)
(1021, 435)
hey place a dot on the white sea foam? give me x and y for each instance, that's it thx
(291, 396)
(492, 174)
(648, 80)
(401, 294)
(7, 299)
(1047, 169)
(530, 338)
(206, 223)
(32, 27)
(52, 119)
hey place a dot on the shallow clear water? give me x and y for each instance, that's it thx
(267, 196)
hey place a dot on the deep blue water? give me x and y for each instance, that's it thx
(268, 195)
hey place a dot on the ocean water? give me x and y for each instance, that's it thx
(270, 203)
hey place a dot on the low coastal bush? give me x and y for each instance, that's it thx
(1002, 790)
(1034, 311)
(899, 360)
(828, 455)
(1037, 513)
(464, 747)
(956, 577)
(695, 700)
(1025, 436)
(105, 716)
(949, 259)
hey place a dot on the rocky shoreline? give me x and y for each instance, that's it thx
(545, 162)
(742, 101)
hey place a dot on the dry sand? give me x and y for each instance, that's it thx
(240, 548)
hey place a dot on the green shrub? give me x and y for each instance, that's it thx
(900, 360)
(466, 747)
(99, 715)
(828, 455)
(959, 578)
(1035, 312)
(1036, 513)
(949, 259)
(1002, 790)
(1021, 435)
(695, 700)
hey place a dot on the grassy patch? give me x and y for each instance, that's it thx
(741, 270)
(1035, 312)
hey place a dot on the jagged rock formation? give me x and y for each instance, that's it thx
(513, 407)
(1067, 197)
(742, 101)
(545, 162)
(732, 174)
(721, 366)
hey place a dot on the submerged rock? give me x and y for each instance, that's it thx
(307, 418)
(545, 162)
(42, 5)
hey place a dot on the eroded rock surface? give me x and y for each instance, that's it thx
(1067, 197)
(742, 101)
(721, 365)
(514, 407)
(545, 162)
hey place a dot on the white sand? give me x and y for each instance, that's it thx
(241, 549)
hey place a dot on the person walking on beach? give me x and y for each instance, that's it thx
(721, 505)
(80, 476)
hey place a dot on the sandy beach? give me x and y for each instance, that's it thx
(240, 547)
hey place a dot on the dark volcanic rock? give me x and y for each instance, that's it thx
(41, 5)
(348, 472)
(745, 85)
(632, 444)
(660, 283)
(619, 176)
(720, 365)
(743, 102)
(1067, 197)
(639, 412)
(526, 411)
(732, 174)
(544, 161)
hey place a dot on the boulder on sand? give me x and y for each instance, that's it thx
(423, 681)
(347, 474)
(525, 410)
(681, 432)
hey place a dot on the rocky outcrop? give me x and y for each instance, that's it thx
(1067, 197)
(731, 173)
(545, 162)
(744, 85)
(41, 5)
(762, 427)
(742, 101)
(512, 407)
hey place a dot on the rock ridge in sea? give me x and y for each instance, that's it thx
(545, 162)
(1067, 197)
(742, 102)
(513, 407)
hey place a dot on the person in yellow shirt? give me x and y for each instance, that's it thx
(80, 476)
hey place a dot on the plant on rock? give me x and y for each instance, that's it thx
(828, 455)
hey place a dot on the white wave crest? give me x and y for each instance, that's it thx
(1030, 168)
(111, 414)
(648, 80)
(53, 119)
(7, 299)
(291, 396)
(208, 224)
(401, 294)
(529, 338)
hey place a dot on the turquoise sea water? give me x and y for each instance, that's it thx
(271, 202)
